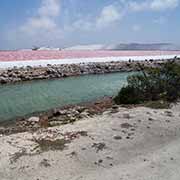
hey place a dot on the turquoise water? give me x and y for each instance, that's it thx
(21, 99)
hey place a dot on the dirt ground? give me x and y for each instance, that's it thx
(122, 144)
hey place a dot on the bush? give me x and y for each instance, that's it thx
(152, 84)
(127, 95)
(35, 48)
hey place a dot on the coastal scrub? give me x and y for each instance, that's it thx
(152, 84)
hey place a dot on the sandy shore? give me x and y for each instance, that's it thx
(122, 144)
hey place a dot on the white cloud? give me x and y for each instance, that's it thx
(43, 26)
(135, 6)
(44, 22)
(109, 14)
(164, 4)
(33, 25)
(153, 5)
(113, 13)
(50, 8)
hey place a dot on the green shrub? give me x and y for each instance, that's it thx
(127, 95)
(152, 84)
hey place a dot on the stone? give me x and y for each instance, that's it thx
(3, 80)
(59, 71)
(115, 107)
(84, 114)
(117, 137)
(126, 115)
(126, 125)
(45, 163)
(59, 112)
(34, 119)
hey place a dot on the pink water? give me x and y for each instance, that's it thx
(48, 55)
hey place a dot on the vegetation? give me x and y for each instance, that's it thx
(35, 48)
(160, 83)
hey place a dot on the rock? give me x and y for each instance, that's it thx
(168, 113)
(99, 146)
(74, 112)
(126, 125)
(5, 75)
(115, 107)
(126, 115)
(151, 119)
(84, 114)
(2, 130)
(80, 109)
(72, 119)
(62, 112)
(55, 123)
(59, 71)
(34, 119)
(3, 80)
(45, 163)
(117, 137)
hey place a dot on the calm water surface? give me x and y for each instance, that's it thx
(25, 98)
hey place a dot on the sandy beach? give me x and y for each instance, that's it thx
(123, 143)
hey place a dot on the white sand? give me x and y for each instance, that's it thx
(151, 153)
(44, 63)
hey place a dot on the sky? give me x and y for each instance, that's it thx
(63, 23)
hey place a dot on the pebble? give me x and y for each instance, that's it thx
(117, 137)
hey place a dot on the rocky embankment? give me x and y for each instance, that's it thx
(57, 116)
(66, 70)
